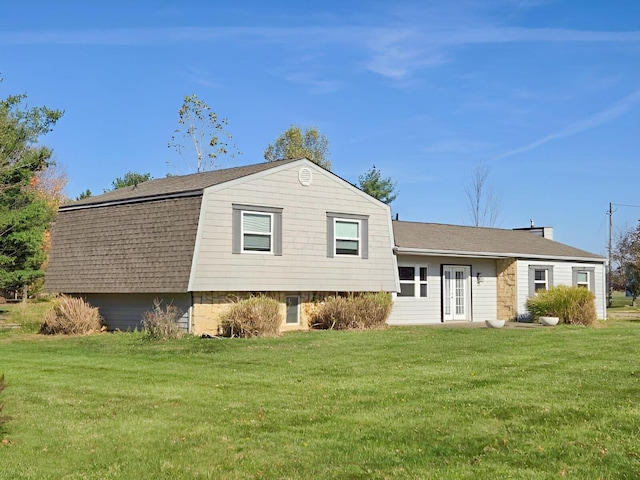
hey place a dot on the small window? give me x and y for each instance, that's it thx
(347, 234)
(413, 281)
(583, 280)
(407, 282)
(257, 232)
(540, 280)
(423, 282)
(256, 229)
(293, 310)
(584, 277)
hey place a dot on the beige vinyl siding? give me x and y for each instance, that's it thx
(562, 275)
(417, 311)
(124, 311)
(303, 265)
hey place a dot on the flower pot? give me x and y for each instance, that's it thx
(549, 321)
(494, 323)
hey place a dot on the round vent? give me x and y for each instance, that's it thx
(305, 176)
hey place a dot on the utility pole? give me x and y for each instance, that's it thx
(609, 288)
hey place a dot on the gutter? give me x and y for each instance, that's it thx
(466, 254)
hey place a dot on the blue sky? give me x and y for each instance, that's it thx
(546, 93)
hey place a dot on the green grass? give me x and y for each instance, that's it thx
(447, 403)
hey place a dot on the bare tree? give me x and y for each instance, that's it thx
(205, 132)
(484, 203)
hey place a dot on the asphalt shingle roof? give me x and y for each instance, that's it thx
(436, 237)
(195, 182)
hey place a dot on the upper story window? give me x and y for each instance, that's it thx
(347, 235)
(257, 229)
(413, 281)
(584, 277)
(540, 278)
(257, 232)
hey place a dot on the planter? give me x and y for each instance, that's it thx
(494, 323)
(549, 321)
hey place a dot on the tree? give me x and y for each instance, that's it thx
(626, 256)
(484, 204)
(294, 143)
(384, 189)
(25, 209)
(201, 129)
(129, 179)
(86, 194)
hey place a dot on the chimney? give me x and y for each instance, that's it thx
(544, 232)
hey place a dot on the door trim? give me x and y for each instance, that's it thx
(468, 291)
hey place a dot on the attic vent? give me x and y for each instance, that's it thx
(305, 176)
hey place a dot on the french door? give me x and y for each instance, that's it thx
(456, 293)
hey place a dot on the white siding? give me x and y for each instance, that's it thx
(416, 311)
(304, 265)
(562, 275)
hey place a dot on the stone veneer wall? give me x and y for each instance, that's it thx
(208, 308)
(507, 288)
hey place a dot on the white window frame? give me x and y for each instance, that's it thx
(586, 283)
(336, 220)
(417, 282)
(540, 282)
(244, 232)
(590, 283)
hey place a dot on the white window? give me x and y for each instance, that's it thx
(584, 277)
(257, 232)
(347, 237)
(582, 280)
(413, 281)
(540, 281)
(540, 278)
(257, 229)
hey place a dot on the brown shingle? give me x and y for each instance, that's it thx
(178, 184)
(435, 237)
(138, 247)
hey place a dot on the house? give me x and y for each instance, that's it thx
(296, 232)
(456, 273)
(288, 229)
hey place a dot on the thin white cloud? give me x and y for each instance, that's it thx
(605, 116)
(312, 83)
(394, 52)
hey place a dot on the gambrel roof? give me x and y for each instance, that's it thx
(436, 238)
(134, 239)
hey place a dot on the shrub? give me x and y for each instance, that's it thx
(573, 305)
(71, 316)
(257, 316)
(162, 323)
(355, 311)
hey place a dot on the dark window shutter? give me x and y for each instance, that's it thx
(237, 230)
(277, 233)
(364, 237)
(330, 238)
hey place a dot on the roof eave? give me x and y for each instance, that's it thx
(458, 253)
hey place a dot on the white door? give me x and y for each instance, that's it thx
(456, 294)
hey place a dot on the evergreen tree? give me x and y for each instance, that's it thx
(25, 210)
(384, 189)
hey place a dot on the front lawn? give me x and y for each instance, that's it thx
(547, 402)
